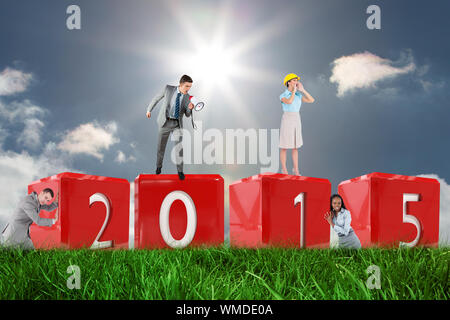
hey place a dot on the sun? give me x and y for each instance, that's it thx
(212, 65)
(217, 66)
(213, 61)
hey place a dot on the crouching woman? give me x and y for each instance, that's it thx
(340, 218)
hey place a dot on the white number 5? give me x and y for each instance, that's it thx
(407, 218)
(99, 197)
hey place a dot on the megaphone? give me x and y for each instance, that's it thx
(198, 106)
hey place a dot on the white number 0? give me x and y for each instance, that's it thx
(99, 197)
(164, 226)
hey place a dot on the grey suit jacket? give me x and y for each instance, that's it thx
(166, 96)
(27, 212)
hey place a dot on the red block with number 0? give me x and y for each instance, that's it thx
(279, 210)
(93, 212)
(170, 212)
(390, 209)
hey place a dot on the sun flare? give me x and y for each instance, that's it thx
(210, 62)
(219, 63)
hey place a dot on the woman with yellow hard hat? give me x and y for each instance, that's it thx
(291, 127)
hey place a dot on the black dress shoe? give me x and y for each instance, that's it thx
(181, 175)
(158, 170)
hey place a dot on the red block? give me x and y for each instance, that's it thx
(274, 209)
(392, 210)
(93, 212)
(170, 212)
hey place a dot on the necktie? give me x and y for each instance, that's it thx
(177, 106)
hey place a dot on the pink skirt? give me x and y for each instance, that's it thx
(291, 130)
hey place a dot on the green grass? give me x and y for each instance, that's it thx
(225, 273)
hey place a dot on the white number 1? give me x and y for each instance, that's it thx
(300, 198)
(100, 197)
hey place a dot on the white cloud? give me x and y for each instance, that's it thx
(18, 111)
(429, 85)
(444, 205)
(3, 134)
(26, 114)
(31, 134)
(90, 138)
(364, 70)
(13, 81)
(122, 158)
(17, 170)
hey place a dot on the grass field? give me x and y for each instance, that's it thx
(225, 273)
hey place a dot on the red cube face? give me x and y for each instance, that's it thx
(170, 212)
(93, 212)
(274, 209)
(392, 210)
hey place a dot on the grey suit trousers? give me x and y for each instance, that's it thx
(26, 244)
(170, 126)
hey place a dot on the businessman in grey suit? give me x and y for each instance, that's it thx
(17, 231)
(176, 104)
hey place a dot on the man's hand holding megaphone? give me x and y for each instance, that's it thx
(191, 105)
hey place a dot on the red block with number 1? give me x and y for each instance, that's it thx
(273, 209)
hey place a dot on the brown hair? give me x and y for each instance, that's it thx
(331, 204)
(185, 78)
(48, 190)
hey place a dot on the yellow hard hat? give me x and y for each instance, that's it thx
(290, 76)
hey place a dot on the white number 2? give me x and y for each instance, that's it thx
(407, 218)
(100, 197)
(300, 198)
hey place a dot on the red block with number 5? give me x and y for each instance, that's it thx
(274, 209)
(93, 212)
(392, 210)
(170, 212)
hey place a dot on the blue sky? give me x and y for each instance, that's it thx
(390, 115)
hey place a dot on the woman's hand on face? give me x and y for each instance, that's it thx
(300, 87)
(295, 89)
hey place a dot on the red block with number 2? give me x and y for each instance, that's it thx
(94, 212)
